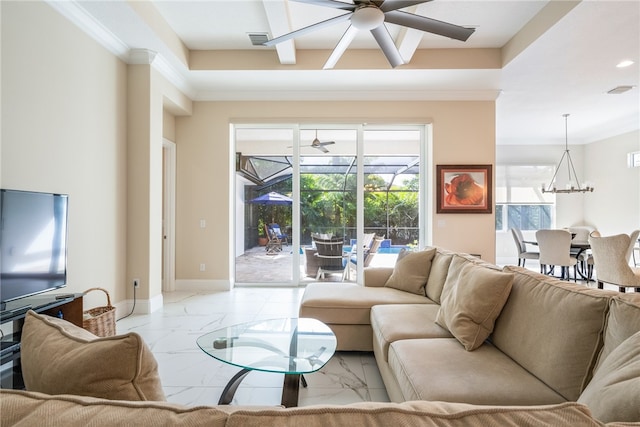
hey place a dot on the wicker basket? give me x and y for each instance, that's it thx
(100, 321)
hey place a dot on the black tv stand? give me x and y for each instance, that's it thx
(69, 308)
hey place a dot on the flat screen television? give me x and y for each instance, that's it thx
(33, 243)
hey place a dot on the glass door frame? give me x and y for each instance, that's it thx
(425, 192)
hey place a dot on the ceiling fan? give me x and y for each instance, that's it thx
(319, 145)
(371, 15)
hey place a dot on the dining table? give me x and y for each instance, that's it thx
(577, 248)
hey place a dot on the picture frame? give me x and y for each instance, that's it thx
(464, 189)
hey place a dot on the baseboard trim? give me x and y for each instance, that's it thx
(142, 306)
(203, 285)
(147, 306)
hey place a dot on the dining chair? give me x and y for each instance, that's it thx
(580, 234)
(555, 250)
(610, 255)
(523, 253)
(589, 261)
(632, 244)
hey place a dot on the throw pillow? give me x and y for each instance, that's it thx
(614, 391)
(59, 357)
(411, 271)
(471, 306)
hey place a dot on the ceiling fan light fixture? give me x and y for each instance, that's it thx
(367, 18)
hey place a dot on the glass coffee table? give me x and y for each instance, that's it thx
(289, 346)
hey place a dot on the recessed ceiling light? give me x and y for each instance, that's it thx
(624, 63)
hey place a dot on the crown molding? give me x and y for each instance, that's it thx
(141, 56)
(91, 26)
(76, 14)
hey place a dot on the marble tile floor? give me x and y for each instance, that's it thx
(191, 377)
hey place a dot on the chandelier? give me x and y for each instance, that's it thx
(570, 188)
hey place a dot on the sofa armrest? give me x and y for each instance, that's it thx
(376, 277)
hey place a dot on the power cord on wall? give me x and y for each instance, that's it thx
(132, 308)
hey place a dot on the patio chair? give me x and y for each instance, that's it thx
(611, 258)
(369, 253)
(274, 244)
(330, 257)
(283, 237)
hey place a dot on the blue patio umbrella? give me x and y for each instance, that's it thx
(272, 198)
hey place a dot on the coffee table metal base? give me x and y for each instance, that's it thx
(290, 388)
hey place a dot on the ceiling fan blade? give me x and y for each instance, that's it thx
(429, 25)
(389, 5)
(309, 29)
(384, 39)
(325, 143)
(321, 148)
(342, 45)
(330, 3)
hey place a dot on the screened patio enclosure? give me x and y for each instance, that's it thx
(348, 191)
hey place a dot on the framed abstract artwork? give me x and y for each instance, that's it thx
(464, 189)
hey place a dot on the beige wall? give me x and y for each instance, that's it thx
(168, 126)
(64, 130)
(149, 97)
(463, 132)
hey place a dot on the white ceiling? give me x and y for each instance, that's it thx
(566, 68)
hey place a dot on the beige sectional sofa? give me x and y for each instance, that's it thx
(478, 334)
(459, 342)
(20, 408)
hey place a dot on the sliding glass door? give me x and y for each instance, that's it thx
(354, 183)
(264, 205)
(392, 190)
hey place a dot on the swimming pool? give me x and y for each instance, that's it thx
(395, 249)
(389, 250)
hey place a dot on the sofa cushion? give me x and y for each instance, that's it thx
(411, 271)
(27, 408)
(393, 322)
(441, 369)
(23, 408)
(614, 391)
(415, 414)
(59, 357)
(350, 304)
(622, 322)
(438, 274)
(545, 317)
(346, 309)
(470, 308)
